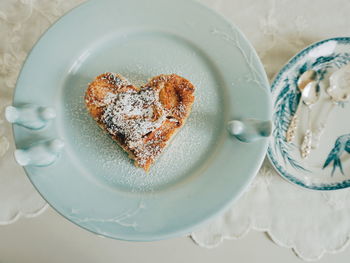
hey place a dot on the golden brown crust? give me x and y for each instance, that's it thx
(98, 89)
(176, 96)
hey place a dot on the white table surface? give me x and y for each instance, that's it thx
(51, 238)
(277, 30)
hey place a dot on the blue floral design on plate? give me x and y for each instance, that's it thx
(341, 145)
(324, 57)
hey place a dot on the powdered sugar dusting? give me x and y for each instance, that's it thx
(133, 114)
(113, 166)
(191, 147)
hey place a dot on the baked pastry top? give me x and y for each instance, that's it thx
(141, 120)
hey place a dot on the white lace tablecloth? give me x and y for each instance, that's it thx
(309, 222)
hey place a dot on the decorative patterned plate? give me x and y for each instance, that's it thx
(93, 183)
(328, 166)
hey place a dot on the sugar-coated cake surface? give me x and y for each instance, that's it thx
(142, 120)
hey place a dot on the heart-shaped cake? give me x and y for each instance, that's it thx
(141, 120)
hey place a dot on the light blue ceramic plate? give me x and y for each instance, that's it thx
(93, 183)
(328, 166)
